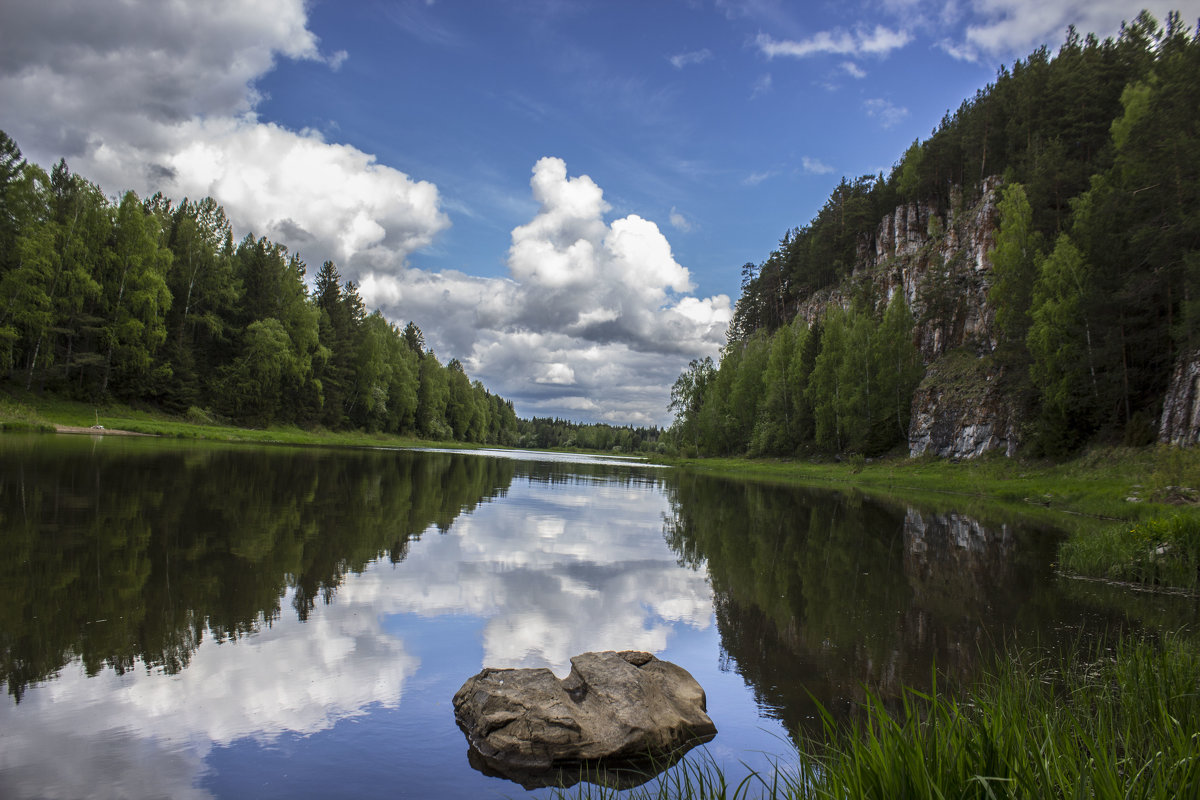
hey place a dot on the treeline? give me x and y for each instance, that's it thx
(546, 433)
(1096, 262)
(843, 385)
(152, 302)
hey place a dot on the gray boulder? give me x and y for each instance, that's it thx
(613, 706)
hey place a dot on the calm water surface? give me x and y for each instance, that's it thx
(201, 620)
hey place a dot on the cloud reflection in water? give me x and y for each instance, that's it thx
(553, 569)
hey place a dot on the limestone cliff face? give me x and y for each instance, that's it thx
(963, 408)
(940, 264)
(1180, 423)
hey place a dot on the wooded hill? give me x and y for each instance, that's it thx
(152, 303)
(1091, 279)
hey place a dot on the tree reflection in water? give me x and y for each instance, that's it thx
(820, 596)
(133, 552)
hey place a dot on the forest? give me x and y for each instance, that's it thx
(1095, 264)
(152, 303)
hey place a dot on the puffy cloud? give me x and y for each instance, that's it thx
(595, 321)
(146, 733)
(161, 97)
(877, 41)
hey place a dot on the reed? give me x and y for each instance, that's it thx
(1107, 722)
(1163, 552)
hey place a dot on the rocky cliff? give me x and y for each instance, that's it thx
(939, 262)
(966, 405)
(1180, 422)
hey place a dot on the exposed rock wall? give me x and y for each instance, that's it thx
(940, 264)
(962, 409)
(1180, 423)
(939, 261)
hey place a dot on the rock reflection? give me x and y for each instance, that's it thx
(616, 774)
(822, 595)
(169, 604)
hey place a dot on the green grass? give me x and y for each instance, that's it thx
(16, 416)
(1161, 552)
(1099, 483)
(24, 412)
(1121, 722)
(1130, 514)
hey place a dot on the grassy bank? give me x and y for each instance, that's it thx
(1131, 514)
(1120, 722)
(31, 413)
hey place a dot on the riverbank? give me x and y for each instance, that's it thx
(1116, 720)
(1131, 514)
(55, 415)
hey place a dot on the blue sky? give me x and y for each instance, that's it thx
(561, 194)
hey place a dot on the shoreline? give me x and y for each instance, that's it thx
(97, 430)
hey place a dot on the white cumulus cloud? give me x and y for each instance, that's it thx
(596, 320)
(1002, 29)
(161, 97)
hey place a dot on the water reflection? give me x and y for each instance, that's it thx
(142, 734)
(196, 620)
(170, 604)
(824, 594)
(135, 553)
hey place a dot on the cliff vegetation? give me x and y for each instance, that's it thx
(1023, 280)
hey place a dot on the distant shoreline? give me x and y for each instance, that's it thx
(97, 430)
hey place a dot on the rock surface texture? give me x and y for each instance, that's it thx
(939, 263)
(613, 705)
(963, 409)
(1180, 423)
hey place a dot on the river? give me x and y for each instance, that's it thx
(205, 620)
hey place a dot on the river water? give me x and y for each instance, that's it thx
(199, 620)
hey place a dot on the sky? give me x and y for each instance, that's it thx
(559, 193)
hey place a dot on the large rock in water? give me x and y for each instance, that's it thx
(624, 705)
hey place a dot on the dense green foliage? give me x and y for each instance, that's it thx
(1096, 260)
(153, 303)
(844, 384)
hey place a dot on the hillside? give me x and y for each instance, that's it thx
(1023, 280)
